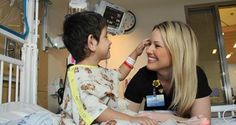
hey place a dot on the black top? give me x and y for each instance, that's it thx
(141, 85)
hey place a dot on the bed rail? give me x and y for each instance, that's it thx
(222, 109)
(9, 78)
(24, 71)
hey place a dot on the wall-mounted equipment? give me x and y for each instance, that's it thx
(114, 15)
(57, 42)
(119, 19)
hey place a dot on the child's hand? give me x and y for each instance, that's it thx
(158, 116)
(141, 46)
(151, 115)
(144, 120)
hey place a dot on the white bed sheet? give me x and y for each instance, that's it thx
(221, 121)
(15, 112)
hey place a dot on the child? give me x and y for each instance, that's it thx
(91, 96)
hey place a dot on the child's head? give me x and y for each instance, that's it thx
(78, 29)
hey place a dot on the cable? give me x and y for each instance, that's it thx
(60, 91)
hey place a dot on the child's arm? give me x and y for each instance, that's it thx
(127, 66)
(109, 114)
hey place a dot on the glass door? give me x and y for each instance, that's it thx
(228, 26)
(206, 22)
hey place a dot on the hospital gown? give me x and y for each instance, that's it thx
(98, 89)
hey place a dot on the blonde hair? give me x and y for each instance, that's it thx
(181, 41)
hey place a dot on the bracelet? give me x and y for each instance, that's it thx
(128, 65)
(130, 61)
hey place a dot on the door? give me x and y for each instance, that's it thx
(205, 21)
(228, 26)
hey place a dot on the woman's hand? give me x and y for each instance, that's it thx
(197, 120)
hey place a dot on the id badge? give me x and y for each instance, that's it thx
(155, 100)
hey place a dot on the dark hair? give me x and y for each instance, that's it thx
(76, 29)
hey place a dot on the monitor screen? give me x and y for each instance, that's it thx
(113, 17)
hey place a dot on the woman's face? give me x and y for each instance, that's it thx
(159, 57)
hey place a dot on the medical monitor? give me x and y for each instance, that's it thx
(113, 14)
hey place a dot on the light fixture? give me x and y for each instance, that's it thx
(229, 55)
(55, 42)
(77, 6)
(234, 45)
(214, 51)
(223, 33)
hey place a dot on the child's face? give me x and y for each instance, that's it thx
(103, 50)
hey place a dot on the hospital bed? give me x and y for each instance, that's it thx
(18, 78)
(17, 103)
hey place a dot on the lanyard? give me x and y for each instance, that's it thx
(154, 91)
(85, 116)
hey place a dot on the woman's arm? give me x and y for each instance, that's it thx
(200, 113)
(125, 68)
(202, 106)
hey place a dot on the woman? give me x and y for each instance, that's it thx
(171, 80)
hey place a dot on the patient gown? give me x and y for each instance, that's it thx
(98, 88)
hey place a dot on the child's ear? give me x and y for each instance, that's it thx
(92, 43)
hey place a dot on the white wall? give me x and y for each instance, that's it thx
(147, 13)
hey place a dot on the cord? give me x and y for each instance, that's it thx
(60, 91)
